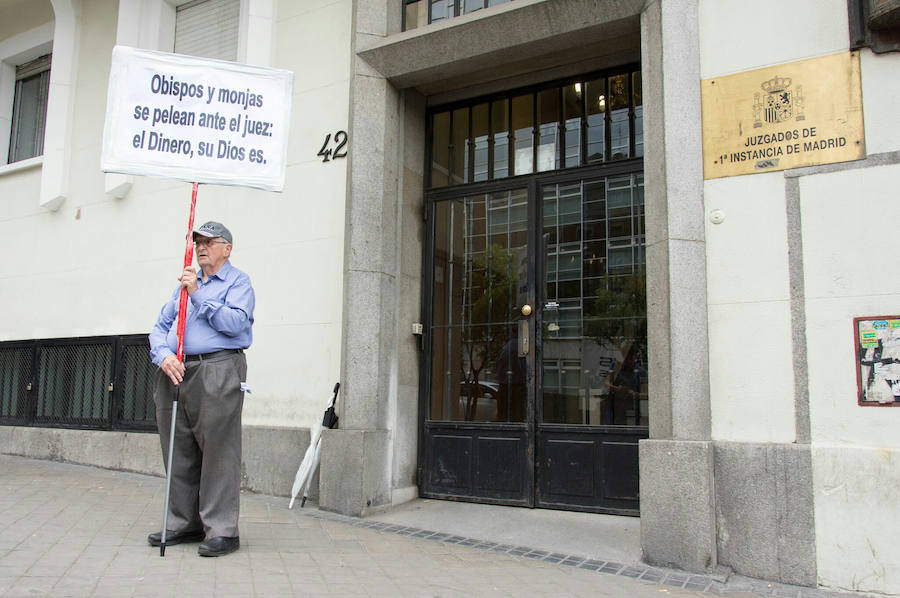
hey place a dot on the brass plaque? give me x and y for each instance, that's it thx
(797, 114)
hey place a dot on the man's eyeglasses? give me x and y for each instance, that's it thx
(205, 242)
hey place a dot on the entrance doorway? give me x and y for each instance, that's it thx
(536, 371)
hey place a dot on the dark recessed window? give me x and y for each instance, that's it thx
(418, 13)
(523, 133)
(874, 24)
(29, 114)
(500, 138)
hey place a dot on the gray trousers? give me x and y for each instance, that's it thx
(206, 460)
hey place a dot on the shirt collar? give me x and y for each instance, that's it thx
(221, 274)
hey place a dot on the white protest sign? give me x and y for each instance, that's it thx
(196, 119)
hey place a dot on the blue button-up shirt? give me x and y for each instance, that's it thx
(219, 316)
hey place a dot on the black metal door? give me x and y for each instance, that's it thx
(591, 386)
(537, 383)
(479, 431)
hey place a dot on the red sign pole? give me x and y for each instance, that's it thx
(182, 318)
(188, 259)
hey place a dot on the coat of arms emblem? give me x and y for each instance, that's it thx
(779, 104)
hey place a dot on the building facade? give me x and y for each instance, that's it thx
(504, 232)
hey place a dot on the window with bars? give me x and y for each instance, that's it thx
(29, 113)
(594, 326)
(596, 119)
(481, 248)
(93, 383)
(594, 253)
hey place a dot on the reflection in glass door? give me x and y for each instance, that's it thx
(594, 333)
(480, 284)
(477, 443)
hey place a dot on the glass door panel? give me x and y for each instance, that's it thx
(480, 283)
(594, 318)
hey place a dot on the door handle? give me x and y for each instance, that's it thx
(526, 310)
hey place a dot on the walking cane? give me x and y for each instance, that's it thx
(182, 317)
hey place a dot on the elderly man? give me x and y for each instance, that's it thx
(206, 461)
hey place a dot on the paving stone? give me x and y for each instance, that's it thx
(82, 531)
(35, 585)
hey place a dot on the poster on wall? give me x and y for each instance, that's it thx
(797, 114)
(877, 344)
(196, 119)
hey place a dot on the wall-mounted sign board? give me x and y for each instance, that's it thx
(801, 113)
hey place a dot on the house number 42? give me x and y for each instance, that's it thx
(340, 146)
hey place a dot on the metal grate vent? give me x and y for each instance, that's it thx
(15, 372)
(96, 383)
(74, 383)
(137, 385)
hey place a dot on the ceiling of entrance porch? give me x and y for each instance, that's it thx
(509, 42)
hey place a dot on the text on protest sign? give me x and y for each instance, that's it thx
(196, 119)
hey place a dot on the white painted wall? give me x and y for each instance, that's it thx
(880, 75)
(856, 450)
(849, 271)
(102, 266)
(736, 35)
(845, 277)
(300, 243)
(751, 371)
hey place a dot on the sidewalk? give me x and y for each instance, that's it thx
(71, 530)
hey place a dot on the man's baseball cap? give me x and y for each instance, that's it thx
(214, 229)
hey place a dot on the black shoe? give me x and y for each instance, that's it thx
(219, 546)
(173, 538)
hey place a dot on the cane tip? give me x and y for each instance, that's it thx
(162, 550)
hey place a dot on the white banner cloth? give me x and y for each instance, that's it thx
(196, 119)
